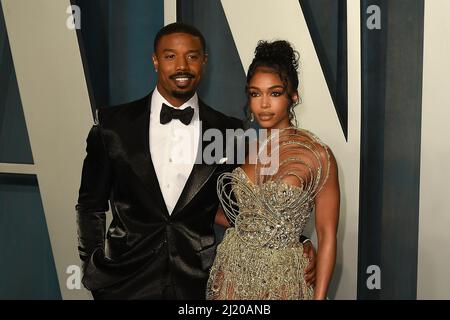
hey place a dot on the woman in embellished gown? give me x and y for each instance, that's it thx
(266, 210)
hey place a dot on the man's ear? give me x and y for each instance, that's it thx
(155, 62)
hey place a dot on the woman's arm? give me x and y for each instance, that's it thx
(327, 204)
(221, 218)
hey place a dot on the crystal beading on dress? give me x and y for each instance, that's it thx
(261, 257)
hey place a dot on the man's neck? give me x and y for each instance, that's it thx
(175, 102)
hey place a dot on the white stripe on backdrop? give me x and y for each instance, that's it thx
(433, 279)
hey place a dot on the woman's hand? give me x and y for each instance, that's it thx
(221, 218)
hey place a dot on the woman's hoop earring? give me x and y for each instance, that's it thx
(249, 120)
(295, 119)
(292, 115)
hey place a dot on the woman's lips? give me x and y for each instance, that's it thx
(265, 116)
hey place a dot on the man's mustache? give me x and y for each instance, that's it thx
(182, 75)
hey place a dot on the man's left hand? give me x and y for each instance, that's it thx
(310, 271)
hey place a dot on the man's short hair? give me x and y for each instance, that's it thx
(179, 27)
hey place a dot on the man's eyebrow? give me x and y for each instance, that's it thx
(189, 51)
(174, 51)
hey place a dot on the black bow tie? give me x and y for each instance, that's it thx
(168, 113)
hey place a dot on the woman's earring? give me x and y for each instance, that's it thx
(292, 115)
(252, 118)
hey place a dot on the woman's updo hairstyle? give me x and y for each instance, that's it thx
(278, 56)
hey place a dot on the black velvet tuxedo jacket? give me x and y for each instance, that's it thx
(144, 249)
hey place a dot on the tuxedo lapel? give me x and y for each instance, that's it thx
(201, 172)
(139, 153)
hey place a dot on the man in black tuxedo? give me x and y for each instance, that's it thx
(141, 158)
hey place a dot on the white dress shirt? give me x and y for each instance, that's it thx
(173, 148)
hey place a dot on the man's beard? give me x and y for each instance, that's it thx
(182, 94)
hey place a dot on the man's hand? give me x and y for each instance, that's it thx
(310, 271)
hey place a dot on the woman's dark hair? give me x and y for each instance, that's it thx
(179, 27)
(278, 56)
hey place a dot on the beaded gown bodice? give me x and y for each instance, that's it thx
(270, 215)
